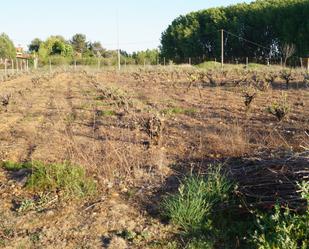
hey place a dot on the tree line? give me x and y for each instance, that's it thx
(264, 28)
(57, 50)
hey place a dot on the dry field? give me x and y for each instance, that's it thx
(135, 132)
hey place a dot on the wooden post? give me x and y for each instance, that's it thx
(301, 62)
(190, 61)
(35, 62)
(74, 64)
(99, 63)
(17, 65)
(247, 62)
(222, 48)
(5, 68)
(12, 61)
(281, 62)
(50, 66)
(164, 62)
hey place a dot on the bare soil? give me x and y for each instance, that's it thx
(136, 133)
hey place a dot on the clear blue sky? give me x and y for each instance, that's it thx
(140, 22)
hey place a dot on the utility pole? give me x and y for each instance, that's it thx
(222, 47)
(119, 64)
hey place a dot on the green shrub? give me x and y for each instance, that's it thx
(57, 60)
(68, 178)
(280, 109)
(86, 61)
(209, 65)
(191, 206)
(188, 207)
(197, 210)
(283, 228)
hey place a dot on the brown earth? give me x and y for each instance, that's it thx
(133, 132)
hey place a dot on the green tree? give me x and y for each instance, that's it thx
(7, 48)
(269, 23)
(55, 46)
(35, 45)
(148, 56)
(96, 49)
(79, 43)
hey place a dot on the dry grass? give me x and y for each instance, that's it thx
(97, 120)
(229, 141)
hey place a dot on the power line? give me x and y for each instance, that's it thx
(130, 43)
(254, 43)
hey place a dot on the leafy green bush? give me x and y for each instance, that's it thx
(282, 229)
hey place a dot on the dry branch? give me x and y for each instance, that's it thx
(264, 182)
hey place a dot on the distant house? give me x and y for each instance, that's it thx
(20, 54)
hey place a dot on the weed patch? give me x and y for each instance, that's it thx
(68, 178)
(178, 110)
(105, 113)
(196, 197)
(204, 211)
